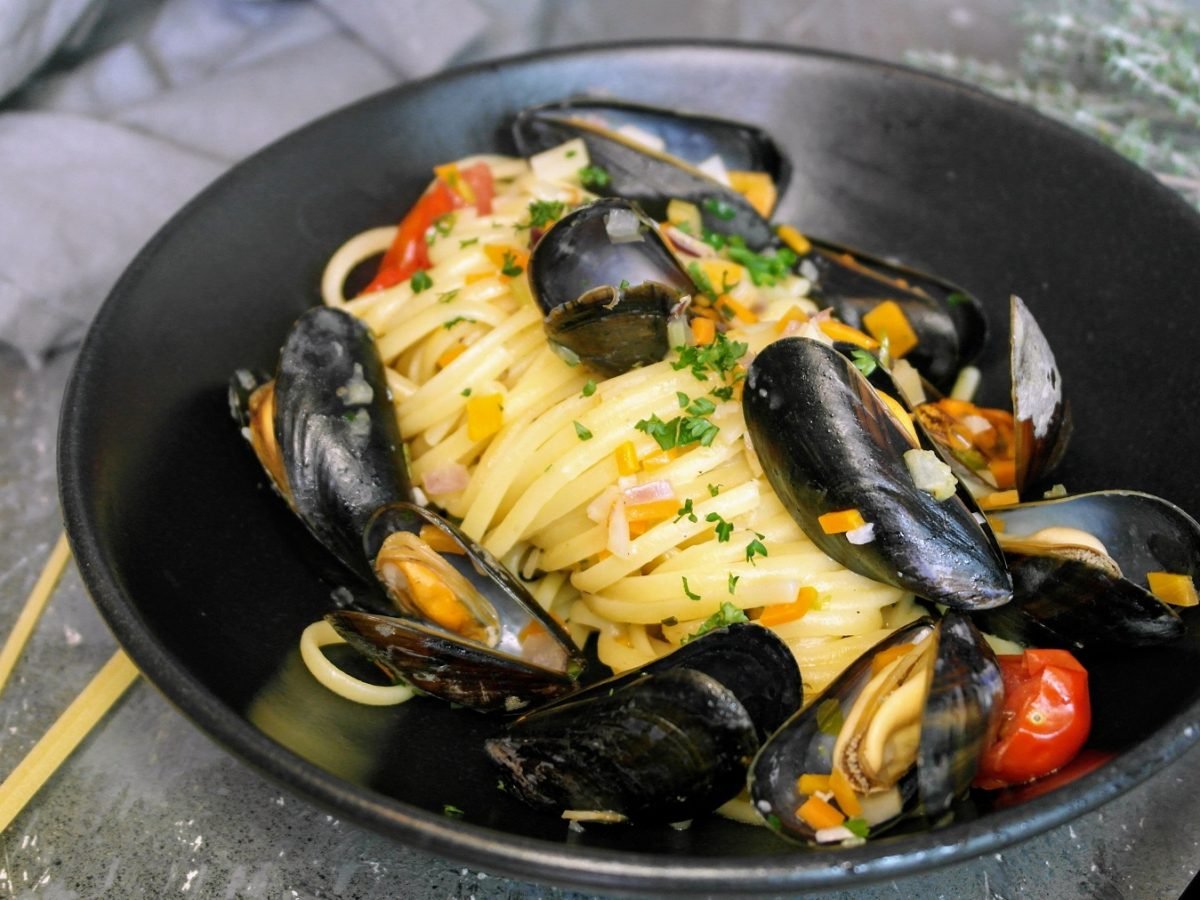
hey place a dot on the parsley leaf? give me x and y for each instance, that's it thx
(688, 592)
(686, 511)
(594, 178)
(448, 296)
(714, 489)
(733, 580)
(720, 357)
(718, 208)
(543, 212)
(589, 388)
(858, 827)
(468, 242)
(864, 362)
(764, 269)
(510, 267)
(703, 282)
(451, 810)
(466, 392)
(584, 434)
(452, 322)
(728, 614)
(723, 528)
(755, 548)
(421, 281)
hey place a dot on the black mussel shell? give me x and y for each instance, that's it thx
(751, 661)
(827, 442)
(804, 744)
(1041, 413)
(691, 137)
(336, 431)
(607, 301)
(645, 176)
(445, 666)
(962, 713)
(516, 625)
(949, 323)
(1066, 602)
(242, 384)
(664, 748)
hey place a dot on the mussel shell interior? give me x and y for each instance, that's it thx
(437, 663)
(336, 429)
(827, 442)
(1041, 413)
(512, 609)
(664, 748)
(804, 744)
(962, 713)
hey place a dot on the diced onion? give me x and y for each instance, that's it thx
(618, 531)
(623, 226)
(714, 168)
(930, 474)
(446, 479)
(659, 489)
(864, 534)
(834, 835)
(966, 384)
(599, 508)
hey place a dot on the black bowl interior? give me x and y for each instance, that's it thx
(207, 580)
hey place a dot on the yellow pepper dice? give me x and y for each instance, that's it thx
(1173, 588)
(795, 241)
(485, 416)
(627, 459)
(758, 188)
(841, 521)
(888, 320)
(997, 499)
(812, 783)
(840, 331)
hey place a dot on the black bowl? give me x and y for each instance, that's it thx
(207, 580)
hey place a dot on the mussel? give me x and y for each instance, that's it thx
(325, 430)
(1080, 564)
(468, 631)
(651, 177)
(663, 744)
(948, 323)
(997, 450)
(608, 284)
(899, 733)
(828, 443)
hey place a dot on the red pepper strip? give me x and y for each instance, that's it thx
(1045, 721)
(479, 178)
(409, 253)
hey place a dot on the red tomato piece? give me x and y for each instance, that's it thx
(479, 178)
(1046, 718)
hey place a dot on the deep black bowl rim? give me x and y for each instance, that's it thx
(524, 858)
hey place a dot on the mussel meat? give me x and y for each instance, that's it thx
(899, 733)
(828, 443)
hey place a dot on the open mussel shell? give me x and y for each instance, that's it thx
(607, 284)
(750, 660)
(646, 176)
(690, 137)
(949, 323)
(338, 450)
(490, 605)
(827, 442)
(1041, 413)
(665, 747)
(1063, 596)
(443, 665)
(949, 703)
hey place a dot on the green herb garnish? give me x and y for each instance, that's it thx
(448, 296)
(467, 242)
(451, 810)
(688, 592)
(857, 827)
(584, 434)
(720, 357)
(864, 362)
(723, 528)
(702, 281)
(543, 212)
(718, 208)
(594, 178)
(714, 489)
(510, 267)
(450, 323)
(421, 281)
(733, 580)
(764, 269)
(728, 614)
(589, 388)
(685, 511)
(755, 548)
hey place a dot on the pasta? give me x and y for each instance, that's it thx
(563, 476)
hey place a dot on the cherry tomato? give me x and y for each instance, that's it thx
(1087, 761)
(1045, 721)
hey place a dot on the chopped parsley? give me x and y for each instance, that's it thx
(864, 362)
(691, 595)
(680, 431)
(723, 393)
(723, 529)
(594, 178)
(589, 388)
(733, 580)
(441, 227)
(466, 392)
(728, 614)
(764, 269)
(467, 242)
(685, 511)
(719, 241)
(421, 281)
(543, 212)
(718, 208)
(452, 322)
(584, 434)
(719, 357)
(449, 809)
(702, 281)
(858, 827)
(714, 489)
(624, 285)
(755, 548)
(957, 298)
(448, 296)
(510, 267)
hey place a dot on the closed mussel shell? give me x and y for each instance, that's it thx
(665, 748)
(828, 443)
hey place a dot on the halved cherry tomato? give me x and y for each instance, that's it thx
(1045, 721)
(409, 252)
